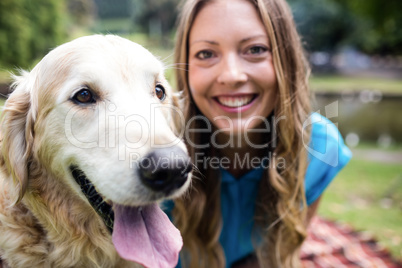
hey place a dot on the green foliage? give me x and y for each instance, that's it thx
(28, 29)
(14, 34)
(378, 30)
(372, 26)
(323, 24)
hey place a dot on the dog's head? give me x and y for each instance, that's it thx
(98, 113)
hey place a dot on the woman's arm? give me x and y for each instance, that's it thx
(311, 210)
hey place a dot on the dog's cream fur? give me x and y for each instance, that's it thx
(45, 220)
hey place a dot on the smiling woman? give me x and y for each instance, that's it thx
(246, 98)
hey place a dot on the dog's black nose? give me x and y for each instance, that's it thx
(165, 170)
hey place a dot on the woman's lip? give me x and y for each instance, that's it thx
(235, 103)
(234, 95)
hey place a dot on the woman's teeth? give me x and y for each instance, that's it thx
(235, 101)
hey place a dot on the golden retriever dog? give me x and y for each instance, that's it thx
(88, 150)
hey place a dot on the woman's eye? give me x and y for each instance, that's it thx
(160, 92)
(84, 96)
(257, 50)
(205, 54)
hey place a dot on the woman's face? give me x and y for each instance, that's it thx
(231, 74)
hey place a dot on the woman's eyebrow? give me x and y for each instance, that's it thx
(204, 41)
(254, 37)
(241, 41)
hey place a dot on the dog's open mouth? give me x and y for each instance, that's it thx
(141, 234)
(95, 199)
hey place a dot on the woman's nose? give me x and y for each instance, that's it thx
(232, 71)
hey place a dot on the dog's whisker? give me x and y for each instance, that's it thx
(168, 66)
(181, 69)
(166, 58)
(175, 68)
(195, 168)
(177, 65)
(197, 171)
(194, 177)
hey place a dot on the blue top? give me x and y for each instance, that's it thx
(327, 155)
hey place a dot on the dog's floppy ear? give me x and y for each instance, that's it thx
(17, 133)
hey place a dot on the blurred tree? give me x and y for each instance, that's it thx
(28, 29)
(14, 34)
(157, 17)
(372, 26)
(379, 25)
(323, 24)
(114, 9)
(82, 12)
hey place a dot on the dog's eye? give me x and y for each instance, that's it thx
(160, 92)
(84, 96)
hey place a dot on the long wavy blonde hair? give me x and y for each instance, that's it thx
(281, 205)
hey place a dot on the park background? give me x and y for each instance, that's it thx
(354, 48)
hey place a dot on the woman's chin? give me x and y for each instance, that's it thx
(237, 133)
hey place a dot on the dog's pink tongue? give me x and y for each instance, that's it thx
(145, 235)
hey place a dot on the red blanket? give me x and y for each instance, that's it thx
(331, 244)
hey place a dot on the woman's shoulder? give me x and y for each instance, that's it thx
(325, 140)
(322, 127)
(327, 155)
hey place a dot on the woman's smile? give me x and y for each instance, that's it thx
(235, 103)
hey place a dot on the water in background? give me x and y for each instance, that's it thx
(365, 116)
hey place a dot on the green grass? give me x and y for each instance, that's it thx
(336, 83)
(366, 145)
(368, 196)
